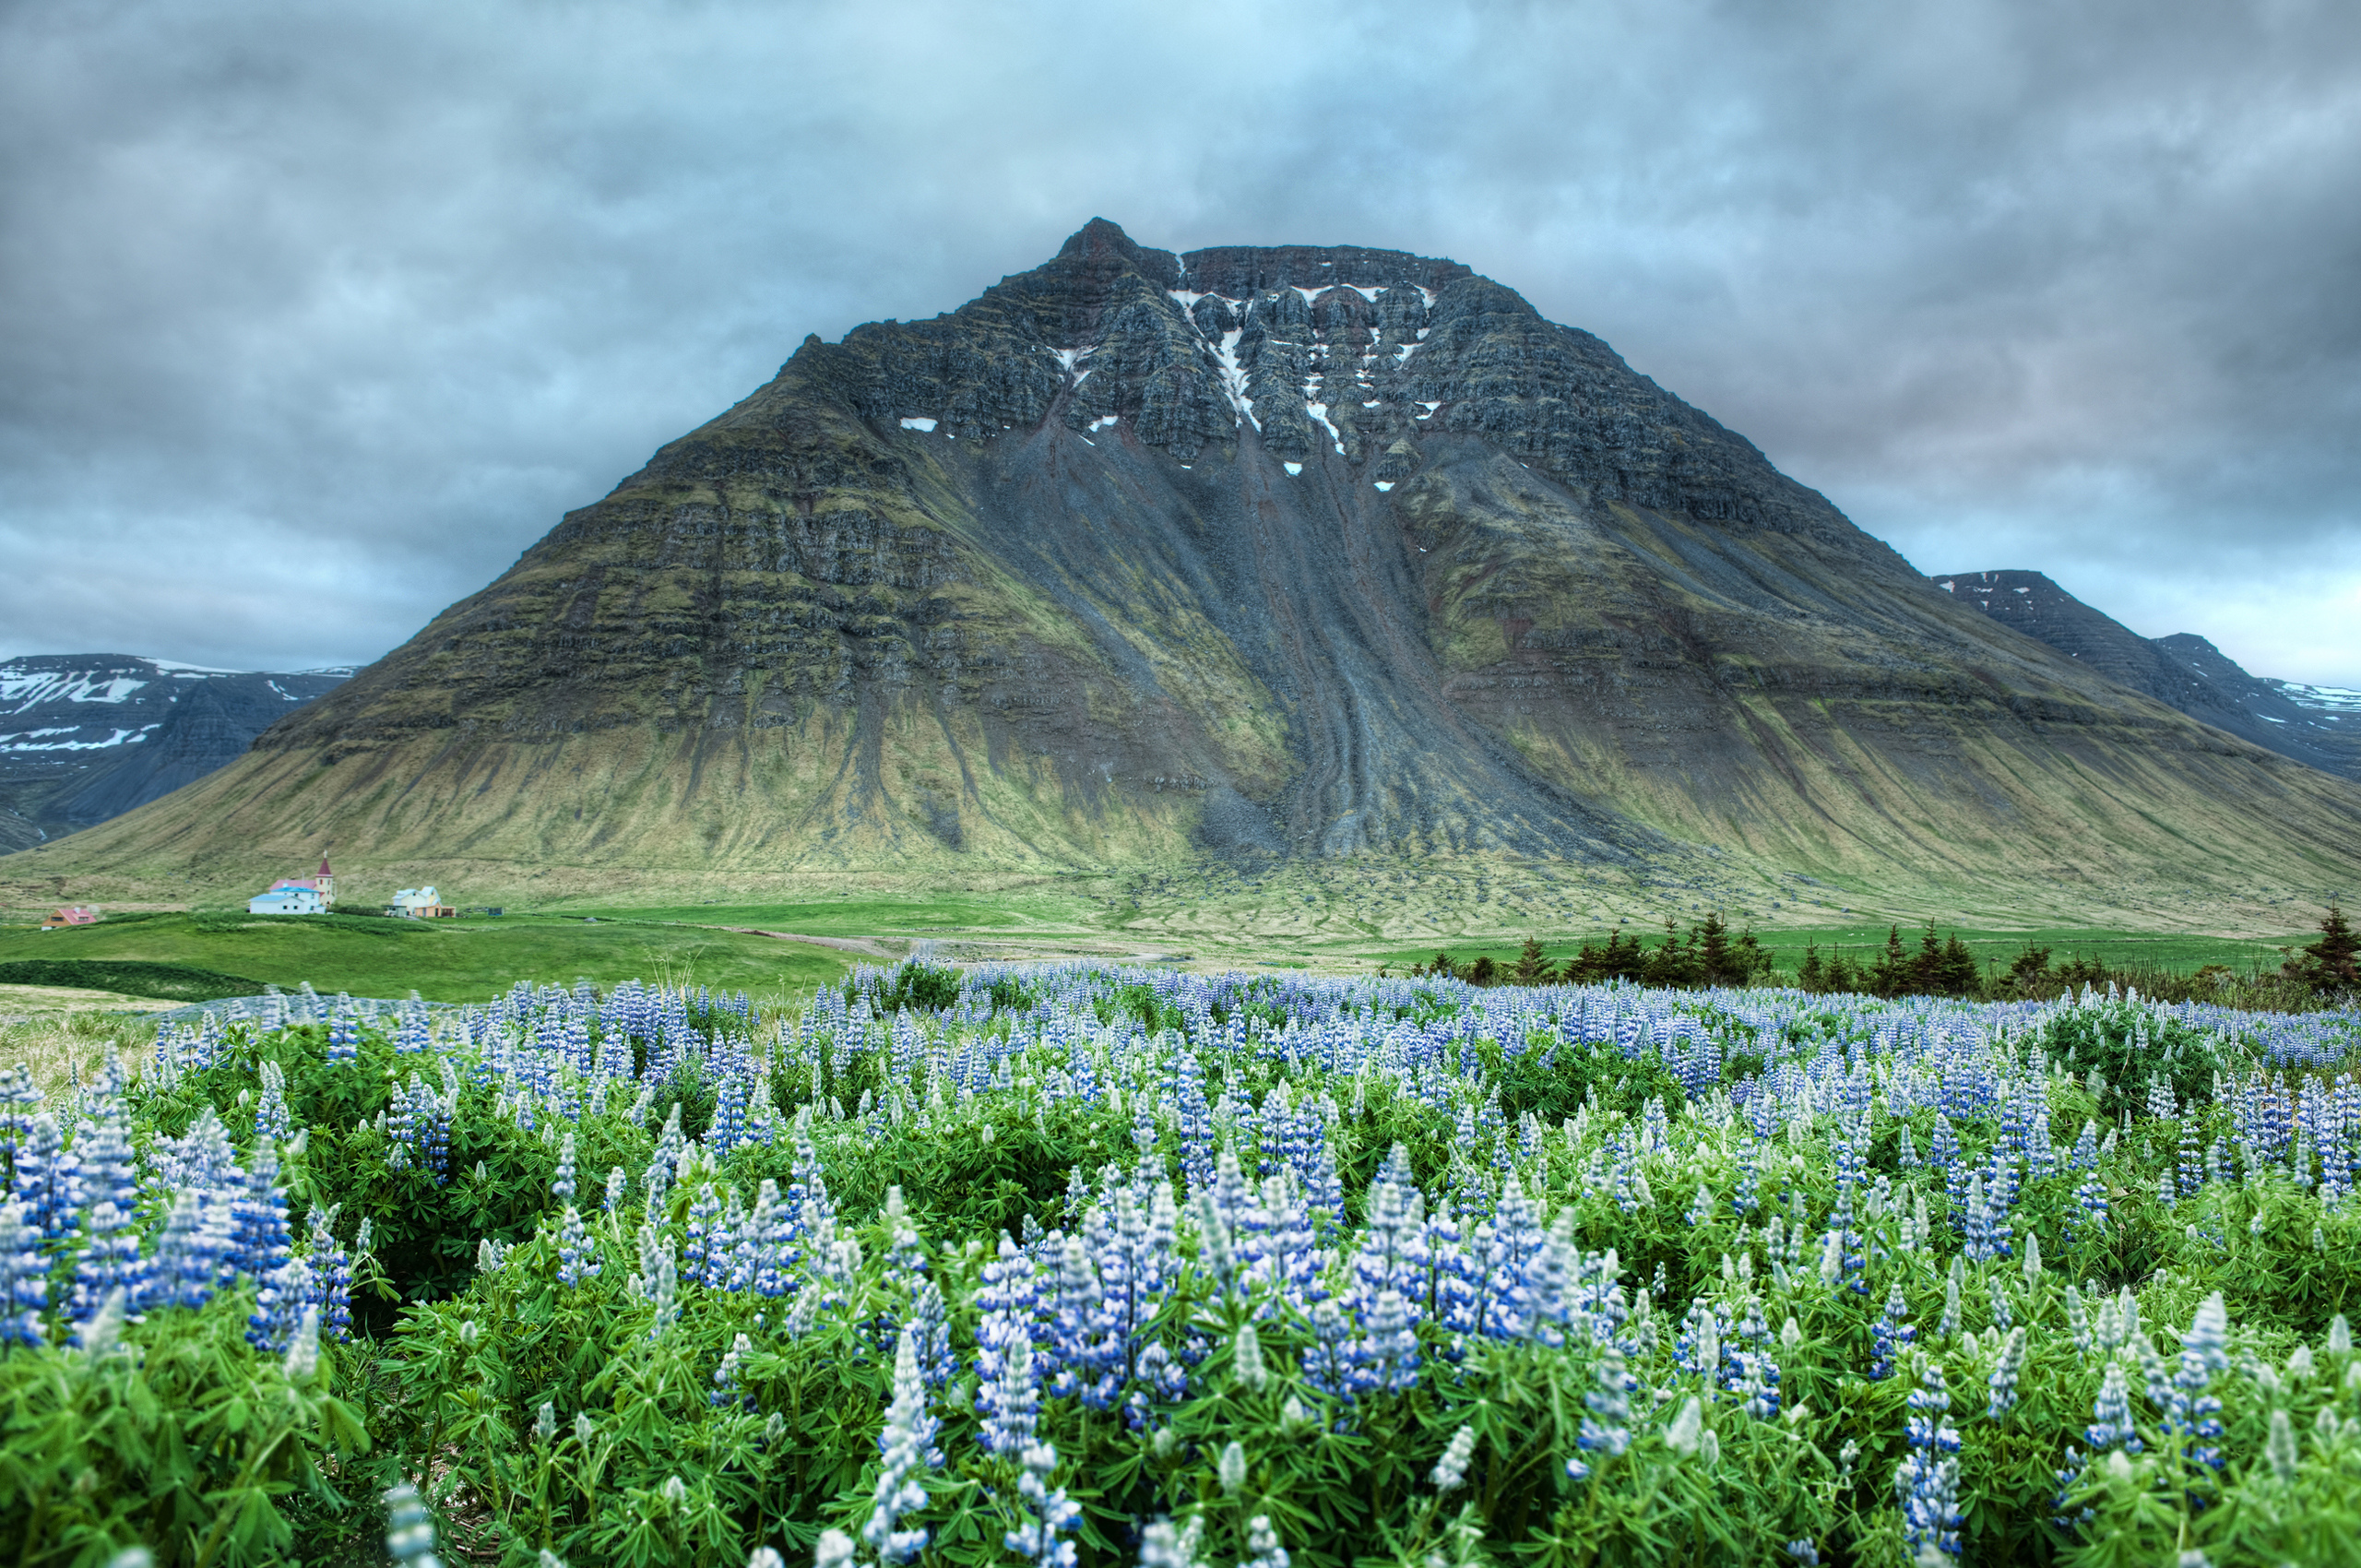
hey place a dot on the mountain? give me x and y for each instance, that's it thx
(1323, 559)
(87, 737)
(2320, 726)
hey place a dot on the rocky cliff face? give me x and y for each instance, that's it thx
(2182, 672)
(87, 737)
(1292, 552)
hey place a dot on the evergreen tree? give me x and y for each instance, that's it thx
(1955, 973)
(1715, 963)
(2335, 959)
(1531, 964)
(1927, 965)
(1890, 976)
(1811, 977)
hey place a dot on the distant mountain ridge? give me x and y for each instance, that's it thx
(85, 737)
(1317, 557)
(2319, 725)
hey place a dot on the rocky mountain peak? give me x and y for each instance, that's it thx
(1324, 553)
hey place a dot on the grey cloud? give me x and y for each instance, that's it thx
(314, 316)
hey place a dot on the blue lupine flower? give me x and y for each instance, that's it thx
(271, 1121)
(1926, 1482)
(1891, 1337)
(259, 1242)
(1607, 1428)
(725, 1376)
(190, 1255)
(2191, 1411)
(2090, 1212)
(49, 1181)
(561, 1183)
(2111, 1425)
(24, 1283)
(280, 1301)
(1006, 1386)
(576, 1260)
(698, 1259)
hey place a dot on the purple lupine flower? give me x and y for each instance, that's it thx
(24, 1282)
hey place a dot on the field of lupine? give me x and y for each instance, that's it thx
(1079, 1264)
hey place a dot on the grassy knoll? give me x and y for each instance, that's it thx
(458, 960)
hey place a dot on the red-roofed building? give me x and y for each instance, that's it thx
(73, 914)
(324, 883)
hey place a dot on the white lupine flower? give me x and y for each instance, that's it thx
(1450, 1470)
(1246, 1358)
(303, 1355)
(2280, 1448)
(1163, 1546)
(834, 1550)
(1232, 1470)
(1687, 1428)
(409, 1530)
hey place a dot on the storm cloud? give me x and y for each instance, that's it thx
(313, 317)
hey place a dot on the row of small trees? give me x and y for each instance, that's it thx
(1709, 954)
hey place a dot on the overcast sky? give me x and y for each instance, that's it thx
(314, 316)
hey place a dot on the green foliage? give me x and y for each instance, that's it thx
(921, 986)
(177, 1438)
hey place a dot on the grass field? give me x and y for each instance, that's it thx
(454, 960)
(859, 915)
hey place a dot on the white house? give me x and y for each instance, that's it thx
(420, 903)
(288, 901)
